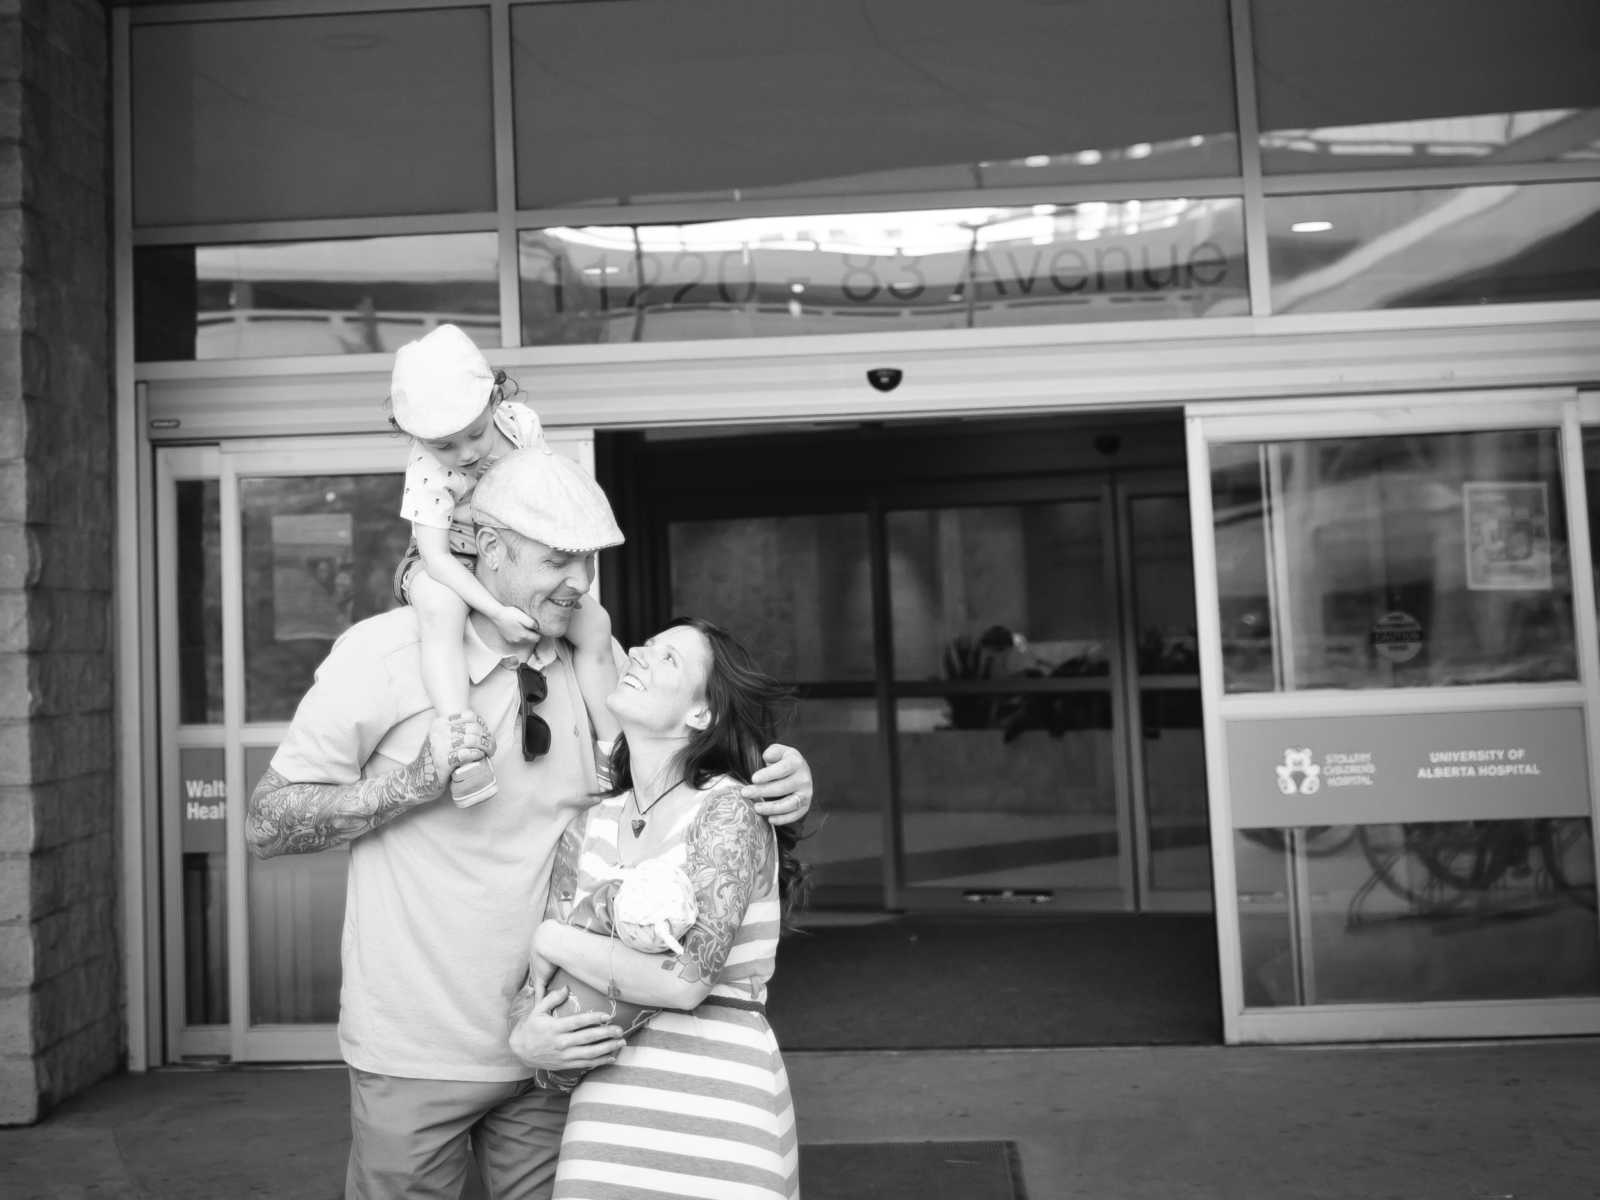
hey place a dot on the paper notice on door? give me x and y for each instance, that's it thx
(1508, 536)
(312, 575)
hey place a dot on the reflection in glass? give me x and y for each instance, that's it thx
(987, 593)
(296, 920)
(304, 117)
(1591, 473)
(196, 805)
(199, 601)
(319, 554)
(1510, 243)
(795, 590)
(1503, 84)
(846, 754)
(1173, 745)
(1004, 788)
(1446, 911)
(1172, 742)
(1403, 561)
(630, 103)
(1017, 805)
(848, 272)
(352, 296)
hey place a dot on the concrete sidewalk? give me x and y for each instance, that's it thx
(1513, 1121)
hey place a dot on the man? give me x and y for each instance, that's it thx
(442, 901)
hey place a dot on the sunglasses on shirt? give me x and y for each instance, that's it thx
(535, 732)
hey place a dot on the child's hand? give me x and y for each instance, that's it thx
(515, 626)
(590, 628)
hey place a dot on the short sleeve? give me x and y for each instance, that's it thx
(342, 717)
(519, 423)
(428, 498)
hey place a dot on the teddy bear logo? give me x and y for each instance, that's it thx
(1298, 774)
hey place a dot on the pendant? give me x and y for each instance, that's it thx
(638, 826)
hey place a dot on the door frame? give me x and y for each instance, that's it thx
(1112, 488)
(1146, 897)
(1379, 415)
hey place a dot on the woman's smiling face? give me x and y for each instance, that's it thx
(663, 690)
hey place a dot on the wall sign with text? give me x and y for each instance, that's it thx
(1367, 770)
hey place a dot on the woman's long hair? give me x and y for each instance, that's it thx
(746, 707)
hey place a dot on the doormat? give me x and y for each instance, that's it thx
(911, 1171)
(939, 983)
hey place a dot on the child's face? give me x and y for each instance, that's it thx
(473, 449)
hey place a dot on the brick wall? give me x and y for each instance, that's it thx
(61, 1010)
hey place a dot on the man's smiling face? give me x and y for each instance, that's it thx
(543, 582)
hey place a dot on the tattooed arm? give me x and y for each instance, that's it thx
(729, 854)
(285, 817)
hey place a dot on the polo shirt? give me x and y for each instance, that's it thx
(440, 903)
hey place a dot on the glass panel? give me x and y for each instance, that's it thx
(1172, 741)
(846, 752)
(1163, 585)
(849, 272)
(1404, 561)
(1441, 911)
(199, 602)
(354, 296)
(319, 555)
(199, 809)
(296, 921)
(1024, 801)
(628, 103)
(1173, 745)
(1004, 789)
(986, 593)
(1508, 244)
(796, 591)
(288, 118)
(1504, 83)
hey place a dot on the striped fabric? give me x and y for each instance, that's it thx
(697, 1105)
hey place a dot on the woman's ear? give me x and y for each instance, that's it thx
(699, 719)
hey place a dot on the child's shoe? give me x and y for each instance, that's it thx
(472, 783)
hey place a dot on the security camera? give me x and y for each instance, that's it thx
(885, 379)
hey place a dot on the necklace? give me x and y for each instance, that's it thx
(637, 823)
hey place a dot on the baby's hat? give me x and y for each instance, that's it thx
(440, 385)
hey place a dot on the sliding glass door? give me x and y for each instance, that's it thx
(1399, 654)
(998, 683)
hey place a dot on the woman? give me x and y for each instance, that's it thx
(697, 1102)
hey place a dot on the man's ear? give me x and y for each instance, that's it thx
(700, 719)
(491, 547)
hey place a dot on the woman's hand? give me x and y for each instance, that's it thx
(781, 790)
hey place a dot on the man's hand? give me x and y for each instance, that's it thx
(781, 789)
(545, 1041)
(457, 739)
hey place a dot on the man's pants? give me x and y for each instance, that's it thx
(410, 1138)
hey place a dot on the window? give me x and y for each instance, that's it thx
(305, 117)
(632, 102)
(1441, 83)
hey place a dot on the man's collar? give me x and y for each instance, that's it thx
(483, 659)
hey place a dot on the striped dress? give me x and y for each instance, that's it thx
(697, 1104)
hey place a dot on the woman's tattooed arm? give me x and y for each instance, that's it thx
(729, 853)
(302, 818)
